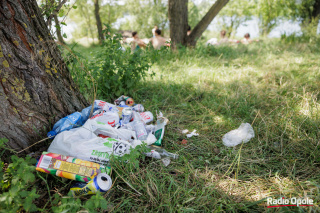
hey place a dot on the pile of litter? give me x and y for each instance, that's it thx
(84, 141)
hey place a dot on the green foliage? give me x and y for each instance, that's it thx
(15, 184)
(144, 15)
(84, 17)
(79, 70)
(270, 13)
(234, 14)
(116, 70)
(130, 162)
(50, 7)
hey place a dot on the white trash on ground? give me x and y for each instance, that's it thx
(105, 129)
(193, 133)
(185, 131)
(105, 133)
(243, 134)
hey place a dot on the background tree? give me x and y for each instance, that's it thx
(83, 19)
(307, 12)
(35, 86)
(178, 17)
(98, 20)
(144, 15)
(58, 29)
(234, 14)
(270, 13)
(51, 10)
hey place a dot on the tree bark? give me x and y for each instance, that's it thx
(205, 21)
(178, 18)
(58, 29)
(316, 9)
(36, 89)
(98, 20)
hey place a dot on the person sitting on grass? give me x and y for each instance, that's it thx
(136, 43)
(223, 37)
(246, 39)
(158, 41)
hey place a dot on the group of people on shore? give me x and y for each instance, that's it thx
(157, 40)
(225, 40)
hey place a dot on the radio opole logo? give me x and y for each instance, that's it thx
(281, 202)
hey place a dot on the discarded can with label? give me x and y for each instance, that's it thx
(102, 182)
(126, 115)
(146, 117)
(128, 101)
(68, 167)
(138, 108)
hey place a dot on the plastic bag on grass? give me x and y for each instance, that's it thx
(83, 142)
(243, 134)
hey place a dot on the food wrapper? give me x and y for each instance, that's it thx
(69, 167)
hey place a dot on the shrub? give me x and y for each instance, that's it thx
(116, 70)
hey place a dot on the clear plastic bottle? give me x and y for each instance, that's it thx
(139, 126)
(160, 153)
(140, 130)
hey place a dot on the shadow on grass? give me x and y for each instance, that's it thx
(282, 160)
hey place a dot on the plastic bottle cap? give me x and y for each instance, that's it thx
(51, 134)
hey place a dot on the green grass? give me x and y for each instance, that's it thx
(270, 85)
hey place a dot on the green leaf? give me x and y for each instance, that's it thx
(29, 177)
(61, 13)
(74, 7)
(64, 35)
(63, 23)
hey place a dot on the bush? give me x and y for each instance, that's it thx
(116, 70)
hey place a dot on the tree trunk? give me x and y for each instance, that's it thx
(88, 22)
(58, 29)
(205, 21)
(36, 89)
(316, 10)
(98, 20)
(178, 18)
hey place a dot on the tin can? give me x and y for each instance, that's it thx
(138, 108)
(128, 101)
(126, 115)
(102, 183)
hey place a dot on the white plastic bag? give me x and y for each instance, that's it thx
(110, 117)
(83, 143)
(243, 134)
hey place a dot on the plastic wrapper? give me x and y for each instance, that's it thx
(243, 134)
(68, 167)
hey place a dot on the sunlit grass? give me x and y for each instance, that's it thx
(271, 85)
